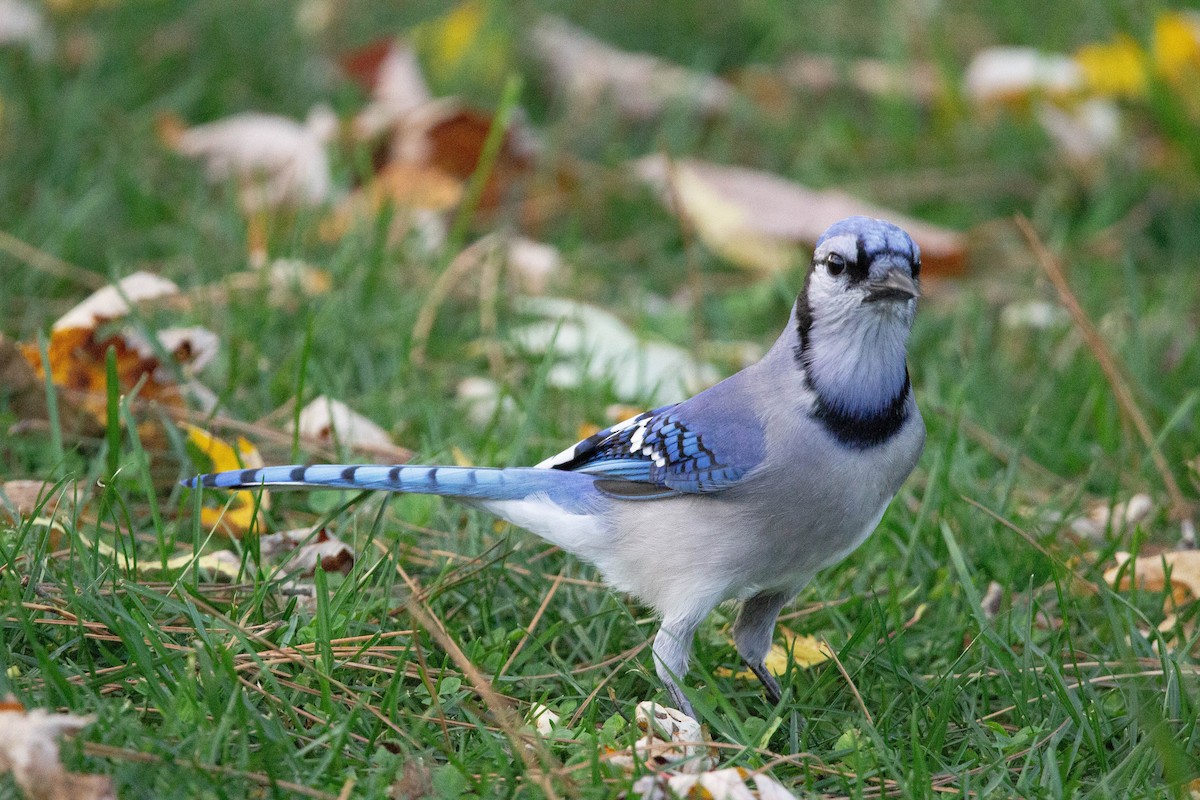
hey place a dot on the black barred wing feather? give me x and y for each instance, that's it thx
(665, 448)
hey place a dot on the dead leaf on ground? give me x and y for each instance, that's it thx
(24, 25)
(236, 519)
(594, 345)
(802, 650)
(309, 549)
(672, 740)
(590, 73)
(80, 339)
(1012, 75)
(1149, 573)
(720, 784)
(389, 69)
(29, 750)
(1103, 519)
(332, 422)
(224, 564)
(276, 161)
(919, 81)
(29, 498)
(757, 220)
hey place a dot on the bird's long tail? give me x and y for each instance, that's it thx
(480, 483)
(555, 504)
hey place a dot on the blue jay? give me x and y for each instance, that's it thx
(742, 492)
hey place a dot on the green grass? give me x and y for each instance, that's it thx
(207, 689)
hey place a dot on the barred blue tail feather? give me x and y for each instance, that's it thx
(468, 483)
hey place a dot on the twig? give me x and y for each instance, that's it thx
(51, 265)
(862, 706)
(1181, 509)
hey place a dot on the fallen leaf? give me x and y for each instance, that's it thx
(30, 498)
(803, 651)
(544, 720)
(24, 25)
(276, 161)
(237, 519)
(390, 70)
(332, 422)
(79, 342)
(308, 549)
(218, 564)
(1114, 69)
(482, 398)
(919, 82)
(1149, 573)
(1085, 132)
(590, 73)
(595, 345)
(470, 44)
(672, 740)
(1102, 520)
(1008, 75)
(29, 750)
(756, 219)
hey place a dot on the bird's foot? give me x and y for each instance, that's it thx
(770, 685)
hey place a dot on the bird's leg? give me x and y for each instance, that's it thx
(672, 651)
(752, 633)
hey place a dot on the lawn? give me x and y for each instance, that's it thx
(975, 645)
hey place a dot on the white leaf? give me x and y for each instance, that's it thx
(598, 346)
(400, 89)
(29, 750)
(1004, 74)
(332, 421)
(277, 160)
(24, 24)
(110, 302)
(640, 86)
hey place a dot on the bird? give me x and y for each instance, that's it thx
(742, 492)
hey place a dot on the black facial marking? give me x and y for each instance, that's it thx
(861, 265)
(297, 474)
(348, 473)
(865, 429)
(804, 320)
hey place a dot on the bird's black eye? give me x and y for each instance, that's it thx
(836, 263)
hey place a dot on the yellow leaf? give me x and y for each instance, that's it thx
(1176, 46)
(1116, 69)
(468, 42)
(238, 517)
(586, 429)
(803, 651)
(460, 458)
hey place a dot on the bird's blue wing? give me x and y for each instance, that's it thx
(703, 445)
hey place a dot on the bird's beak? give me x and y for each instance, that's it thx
(895, 285)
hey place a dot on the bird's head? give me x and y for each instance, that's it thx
(853, 318)
(864, 267)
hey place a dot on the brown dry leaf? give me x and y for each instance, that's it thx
(757, 220)
(590, 73)
(79, 343)
(673, 740)
(332, 422)
(237, 519)
(803, 651)
(28, 498)
(310, 549)
(1149, 573)
(277, 161)
(29, 750)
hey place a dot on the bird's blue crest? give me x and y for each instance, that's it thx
(875, 237)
